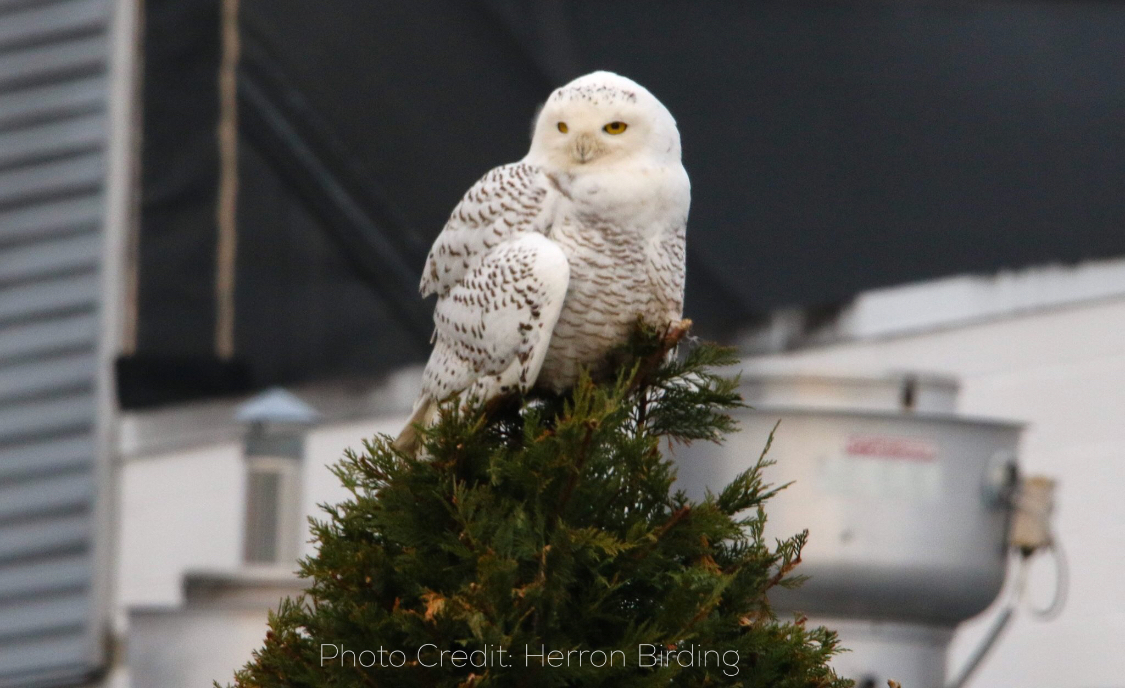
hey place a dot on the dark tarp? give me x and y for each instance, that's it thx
(832, 148)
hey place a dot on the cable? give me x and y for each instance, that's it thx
(1062, 584)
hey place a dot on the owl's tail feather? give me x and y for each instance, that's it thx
(425, 413)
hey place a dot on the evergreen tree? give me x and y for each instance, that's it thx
(547, 526)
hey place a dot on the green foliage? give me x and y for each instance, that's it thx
(551, 525)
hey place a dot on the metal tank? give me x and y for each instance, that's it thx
(906, 504)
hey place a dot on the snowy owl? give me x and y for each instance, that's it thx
(545, 265)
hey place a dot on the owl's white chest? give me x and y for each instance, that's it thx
(625, 246)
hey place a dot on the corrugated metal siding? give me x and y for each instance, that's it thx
(53, 89)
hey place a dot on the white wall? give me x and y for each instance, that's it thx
(1063, 373)
(192, 648)
(178, 511)
(182, 510)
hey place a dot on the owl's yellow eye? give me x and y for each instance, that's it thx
(615, 128)
(562, 127)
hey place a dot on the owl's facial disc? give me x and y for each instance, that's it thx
(578, 134)
(603, 120)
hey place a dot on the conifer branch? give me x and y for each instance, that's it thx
(552, 521)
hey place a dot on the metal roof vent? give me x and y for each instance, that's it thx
(907, 506)
(274, 446)
(277, 406)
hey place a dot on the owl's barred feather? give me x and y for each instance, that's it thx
(546, 264)
(508, 201)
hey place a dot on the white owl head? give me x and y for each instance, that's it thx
(603, 119)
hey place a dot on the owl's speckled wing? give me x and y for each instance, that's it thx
(500, 284)
(493, 328)
(508, 201)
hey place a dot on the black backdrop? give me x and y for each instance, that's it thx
(832, 147)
